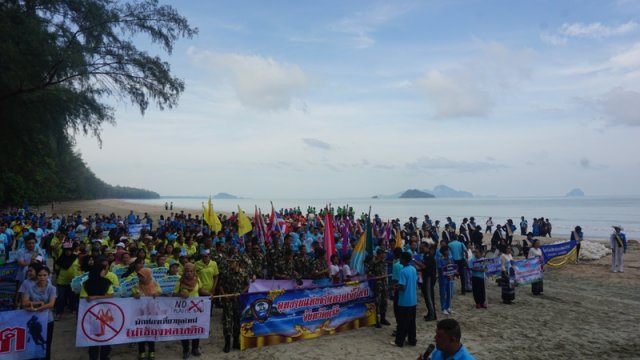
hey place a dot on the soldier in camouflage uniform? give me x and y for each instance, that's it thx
(285, 269)
(257, 260)
(233, 281)
(272, 256)
(319, 267)
(302, 263)
(379, 268)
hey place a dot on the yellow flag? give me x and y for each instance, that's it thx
(244, 225)
(398, 239)
(212, 218)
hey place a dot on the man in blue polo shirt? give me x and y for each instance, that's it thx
(458, 253)
(407, 301)
(448, 346)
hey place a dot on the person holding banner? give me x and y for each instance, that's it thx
(535, 252)
(146, 286)
(188, 286)
(508, 290)
(446, 271)
(618, 242)
(42, 297)
(233, 281)
(95, 288)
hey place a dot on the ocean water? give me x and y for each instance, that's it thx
(595, 215)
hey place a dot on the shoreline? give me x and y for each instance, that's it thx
(586, 312)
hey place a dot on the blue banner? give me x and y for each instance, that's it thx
(282, 316)
(9, 271)
(527, 271)
(135, 229)
(557, 250)
(23, 335)
(492, 266)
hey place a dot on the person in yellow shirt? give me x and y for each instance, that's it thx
(68, 267)
(189, 286)
(115, 281)
(207, 271)
(95, 288)
(192, 248)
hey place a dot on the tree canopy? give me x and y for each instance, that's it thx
(60, 60)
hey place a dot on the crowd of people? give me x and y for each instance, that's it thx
(209, 263)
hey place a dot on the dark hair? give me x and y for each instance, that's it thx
(444, 249)
(406, 257)
(397, 253)
(451, 328)
(45, 268)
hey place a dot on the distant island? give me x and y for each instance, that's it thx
(575, 193)
(416, 194)
(225, 196)
(440, 191)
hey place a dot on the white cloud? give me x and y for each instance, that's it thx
(362, 25)
(622, 106)
(553, 39)
(627, 59)
(259, 82)
(595, 30)
(455, 95)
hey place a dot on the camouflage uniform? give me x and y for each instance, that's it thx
(273, 254)
(379, 268)
(221, 260)
(232, 282)
(302, 264)
(257, 264)
(285, 267)
(320, 265)
(247, 265)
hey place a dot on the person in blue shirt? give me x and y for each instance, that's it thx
(448, 346)
(445, 281)
(407, 301)
(458, 252)
(396, 268)
(477, 280)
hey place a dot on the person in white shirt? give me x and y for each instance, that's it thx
(535, 252)
(334, 270)
(508, 291)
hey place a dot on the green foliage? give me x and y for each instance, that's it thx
(59, 61)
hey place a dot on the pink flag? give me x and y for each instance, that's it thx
(329, 243)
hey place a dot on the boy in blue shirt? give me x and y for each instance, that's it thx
(448, 346)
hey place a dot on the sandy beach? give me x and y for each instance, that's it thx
(586, 312)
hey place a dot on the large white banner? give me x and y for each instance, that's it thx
(129, 320)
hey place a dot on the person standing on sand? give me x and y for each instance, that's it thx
(407, 301)
(489, 225)
(618, 247)
(578, 236)
(535, 252)
(508, 291)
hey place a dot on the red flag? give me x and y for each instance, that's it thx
(329, 242)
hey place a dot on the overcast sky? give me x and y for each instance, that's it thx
(317, 99)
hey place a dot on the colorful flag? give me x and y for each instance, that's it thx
(398, 239)
(244, 225)
(329, 242)
(358, 255)
(260, 229)
(345, 236)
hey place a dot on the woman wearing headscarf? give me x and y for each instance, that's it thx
(535, 252)
(68, 266)
(147, 286)
(508, 291)
(189, 286)
(95, 288)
